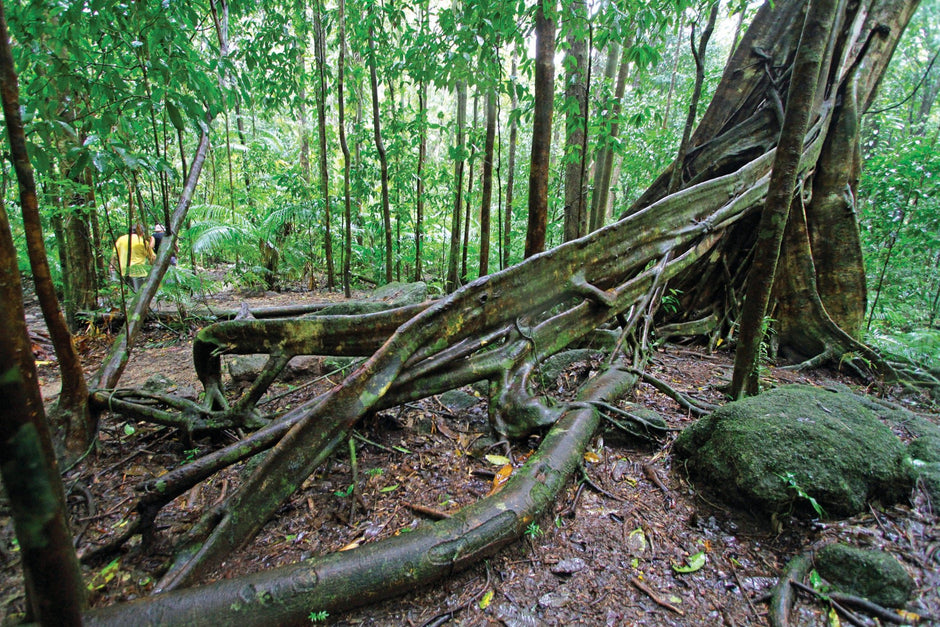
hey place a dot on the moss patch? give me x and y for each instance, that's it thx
(875, 575)
(836, 449)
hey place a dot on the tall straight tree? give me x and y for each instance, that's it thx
(511, 167)
(541, 129)
(487, 192)
(603, 173)
(577, 75)
(319, 44)
(419, 173)
(341, 101)
(383, 158)
(453, 260)
(468, 199)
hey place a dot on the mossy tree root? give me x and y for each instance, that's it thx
(396, 565)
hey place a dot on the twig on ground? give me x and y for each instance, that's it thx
(597, 488)
(639, 585)
(747, 597)
(430, 512)
(849, 615)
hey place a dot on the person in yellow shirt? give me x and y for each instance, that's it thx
(134, 255)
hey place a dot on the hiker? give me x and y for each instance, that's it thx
(134, 255)
(159, 233)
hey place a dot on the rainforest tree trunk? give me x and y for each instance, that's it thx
(577, 77)
(541, 131)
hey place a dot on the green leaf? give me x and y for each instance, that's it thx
(694, 563)
(497, 460)
(129, 429)
(175, 117)
(389, 488)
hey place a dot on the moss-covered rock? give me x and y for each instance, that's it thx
(775, 451)
(925, 448)
(875, 575)
(552, 367)
(929, 475)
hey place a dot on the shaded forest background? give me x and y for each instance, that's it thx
(359, 143)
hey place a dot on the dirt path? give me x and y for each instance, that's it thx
(604, 556)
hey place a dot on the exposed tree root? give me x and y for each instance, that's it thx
(372, 572)
(782, 597)
(699, 408)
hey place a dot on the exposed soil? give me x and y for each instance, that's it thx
(604, 556)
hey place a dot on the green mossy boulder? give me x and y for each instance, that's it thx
(925, 448)
(872, 574)
(835, 449)
(929, 475)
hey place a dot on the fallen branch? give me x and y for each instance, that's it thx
(642, 587)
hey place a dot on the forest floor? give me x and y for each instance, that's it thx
(605, 554)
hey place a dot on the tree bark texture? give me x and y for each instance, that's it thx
(541, 132)
(576, 103)
(817, 33)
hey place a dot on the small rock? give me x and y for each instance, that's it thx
(568, 566)
(872, 574)
(158, 383)
(458, 400)
(556, 599)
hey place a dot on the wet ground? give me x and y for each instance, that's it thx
(606, 554)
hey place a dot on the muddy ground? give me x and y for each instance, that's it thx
(605, 555)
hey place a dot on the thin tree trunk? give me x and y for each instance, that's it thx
(673, 78)
(575, 124)
(113, 365)
(487, 192)
(419, 175)
(511, 174)
(453, 263)
(320, 54)
(72, 411)
(341, 100)
(383, 160)
(595, 219)
(82, 281)
(30, 474)
(698, 54)
(541, 132)
(817, 29)
(468, 199)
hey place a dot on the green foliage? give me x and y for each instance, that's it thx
(533, 530)
(790, 480)
(318, 616)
